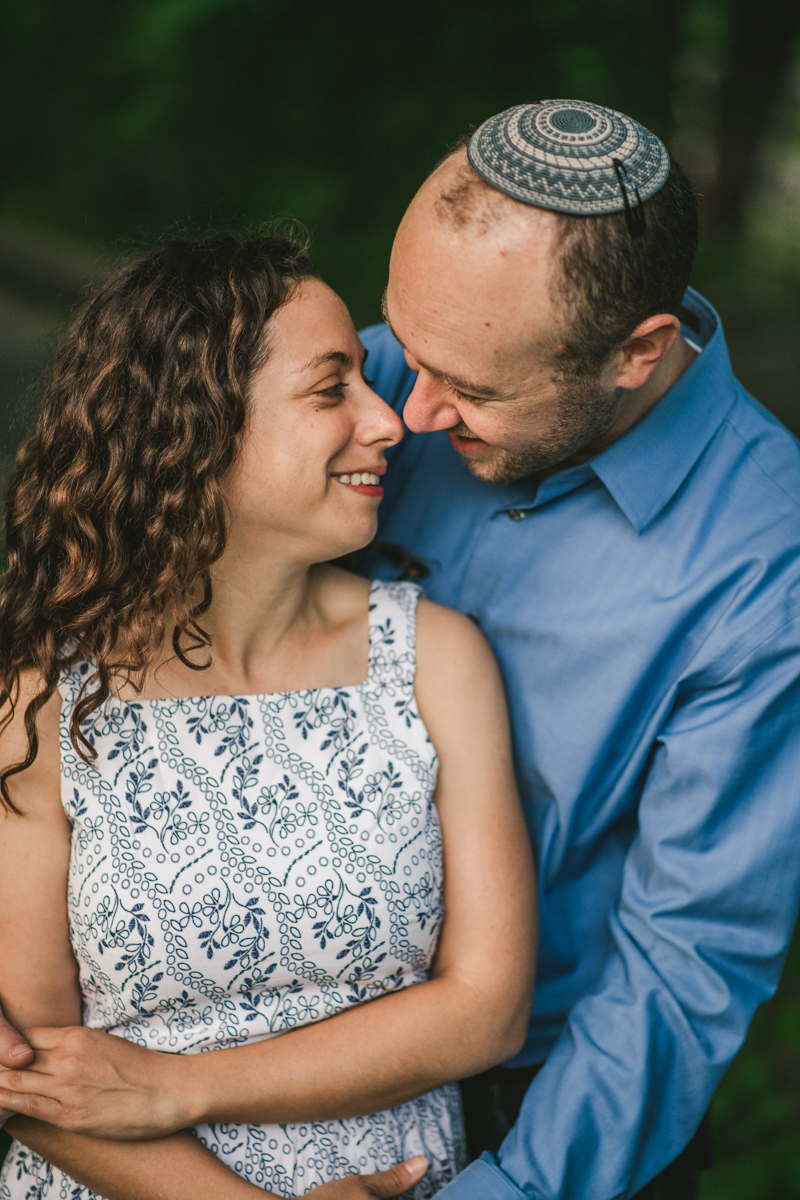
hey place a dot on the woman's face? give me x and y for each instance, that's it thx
(308, 475)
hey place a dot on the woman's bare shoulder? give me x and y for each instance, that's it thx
(457, 679)
(38, 786)
(450, 639)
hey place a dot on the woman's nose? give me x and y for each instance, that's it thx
(380, 423)
(429, 407)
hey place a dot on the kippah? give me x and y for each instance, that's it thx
(572, 157)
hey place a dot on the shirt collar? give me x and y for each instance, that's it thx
(645, 467)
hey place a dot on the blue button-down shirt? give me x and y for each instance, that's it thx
(645, 612)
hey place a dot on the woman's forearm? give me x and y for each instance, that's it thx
(364, 1060)
(172, 1168)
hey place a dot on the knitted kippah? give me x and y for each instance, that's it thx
(572, 157)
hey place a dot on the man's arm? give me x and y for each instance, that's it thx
(707, 907)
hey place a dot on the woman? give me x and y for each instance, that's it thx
(219, 767)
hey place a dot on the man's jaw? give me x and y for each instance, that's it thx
(483, 460)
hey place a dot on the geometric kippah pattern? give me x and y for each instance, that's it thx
(570, 156)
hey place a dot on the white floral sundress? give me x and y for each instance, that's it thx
(244, 865)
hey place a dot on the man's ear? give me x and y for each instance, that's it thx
(647, 347)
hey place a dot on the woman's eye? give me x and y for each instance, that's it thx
(335, 393)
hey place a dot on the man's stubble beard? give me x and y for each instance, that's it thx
(585, 412)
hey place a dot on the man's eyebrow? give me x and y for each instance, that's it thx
(453, 381)
(462, 385)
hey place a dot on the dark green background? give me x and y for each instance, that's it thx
(123, 121)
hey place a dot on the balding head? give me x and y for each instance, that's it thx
(463, 197)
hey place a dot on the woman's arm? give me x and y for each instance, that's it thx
(39, 982)
(179, 1168)
(173, 1168)
(471, 1014)
(39, 973)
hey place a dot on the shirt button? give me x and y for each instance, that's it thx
(516, 514)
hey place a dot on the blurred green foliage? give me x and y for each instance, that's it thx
(126, 121)
(130, 119)
(756, 1112)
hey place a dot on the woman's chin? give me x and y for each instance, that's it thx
(341, 546)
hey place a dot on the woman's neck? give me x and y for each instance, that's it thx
(260, 604)
(275, 624)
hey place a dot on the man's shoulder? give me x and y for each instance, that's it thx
(765, 448)
(386, 365)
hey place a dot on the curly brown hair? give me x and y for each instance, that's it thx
(115, 511)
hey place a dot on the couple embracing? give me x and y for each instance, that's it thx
(266, 820)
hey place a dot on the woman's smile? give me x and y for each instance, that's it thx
(367, 483)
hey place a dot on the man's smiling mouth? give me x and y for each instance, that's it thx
(466, 443)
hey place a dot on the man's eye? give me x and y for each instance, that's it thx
(463, 395)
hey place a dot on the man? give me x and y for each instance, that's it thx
(589, 482)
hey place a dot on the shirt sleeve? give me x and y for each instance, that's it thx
(707, 905)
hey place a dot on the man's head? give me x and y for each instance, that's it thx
(538, 335)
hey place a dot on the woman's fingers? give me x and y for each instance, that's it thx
(381, 1186)
(25, 1082)
(89, 1082)
(30, 1104)
(14, 1050)
(46, 1037)
(400, 1178)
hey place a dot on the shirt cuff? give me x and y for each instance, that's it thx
(482, 1180)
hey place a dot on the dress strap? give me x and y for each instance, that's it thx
(393, 633)
(70, 682)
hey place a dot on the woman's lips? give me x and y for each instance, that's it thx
(367, 488)
(467, 445)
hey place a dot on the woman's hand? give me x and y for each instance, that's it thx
(14, 1052)
(381, 1186)
(94, 1083)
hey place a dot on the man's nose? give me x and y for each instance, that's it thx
(429, 407)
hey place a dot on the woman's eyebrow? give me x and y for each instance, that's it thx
(341, 357)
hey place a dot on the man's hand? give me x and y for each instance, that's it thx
(14, 1052)
(94, 1083)
(381, 1186)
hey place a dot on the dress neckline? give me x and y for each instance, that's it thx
(347, 687)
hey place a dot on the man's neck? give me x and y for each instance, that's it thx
(638, 402)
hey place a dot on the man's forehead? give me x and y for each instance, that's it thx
(487, 290)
